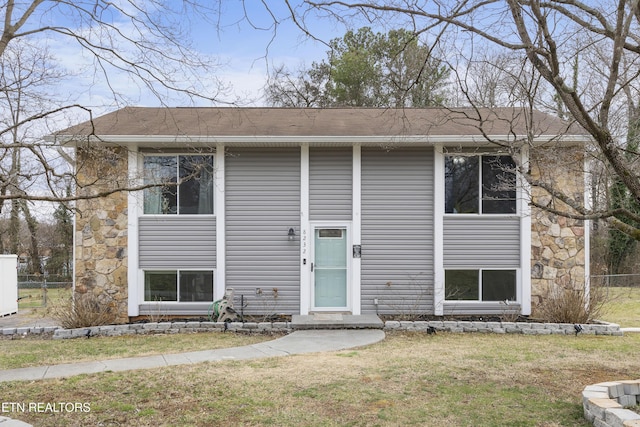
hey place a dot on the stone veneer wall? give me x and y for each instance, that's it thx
(557, 243)
(101, 229)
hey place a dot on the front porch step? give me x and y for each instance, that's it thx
(336, 321)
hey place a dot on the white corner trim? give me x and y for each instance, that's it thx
(524, 289)
(305, 233)
(135, 285)
(587, 229)
(438, 231)
(356, 229)
(220, 212)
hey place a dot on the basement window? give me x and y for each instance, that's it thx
(178, 286)
(480, 285)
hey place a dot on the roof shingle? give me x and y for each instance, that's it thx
(231, 122)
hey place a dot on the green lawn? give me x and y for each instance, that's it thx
(623, 307)
(408, 379)
(34, 351)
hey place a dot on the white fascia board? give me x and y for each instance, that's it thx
(159, 140)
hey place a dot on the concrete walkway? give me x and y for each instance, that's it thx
(25, 318)
(299, 342)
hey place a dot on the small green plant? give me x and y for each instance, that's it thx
(84, 310)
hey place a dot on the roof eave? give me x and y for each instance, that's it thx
(292, 140)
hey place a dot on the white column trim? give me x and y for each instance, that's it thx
(135, 290)
(356, 229)
(438, 231)
(220, 211)
(587, 229)
(524, 296)
(305, 232)
(77, 240)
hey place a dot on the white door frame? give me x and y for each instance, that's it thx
(313, 225)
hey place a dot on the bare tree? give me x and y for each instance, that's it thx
(545, 36)
(147, 42)
(23, 77)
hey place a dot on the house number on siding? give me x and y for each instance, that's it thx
(304, 243)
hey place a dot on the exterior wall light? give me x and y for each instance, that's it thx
(291, 234)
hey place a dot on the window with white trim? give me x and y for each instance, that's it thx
(479, 184)
(178, 285)
(184, 184)
(480, 285)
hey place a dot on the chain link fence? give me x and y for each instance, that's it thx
(616, 280)
(38, 290)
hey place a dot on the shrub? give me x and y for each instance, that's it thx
(568, 305)
(84, 310)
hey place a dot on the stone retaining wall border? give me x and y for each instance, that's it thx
(605, 403)
(266, 327)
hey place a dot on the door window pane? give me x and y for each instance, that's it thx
(330, 233)
(330, 287)
(330, 271)
(330, 252)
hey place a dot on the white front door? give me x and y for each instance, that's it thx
(330, 268)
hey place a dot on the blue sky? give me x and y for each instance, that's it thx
(248, 51)
(246, 47)
(244, 43)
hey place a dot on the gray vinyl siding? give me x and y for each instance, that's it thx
(161, 310)
(177, 242)
(481, 241)
(479, 308)
(262, 202)
(330, 184)
(397, 230)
